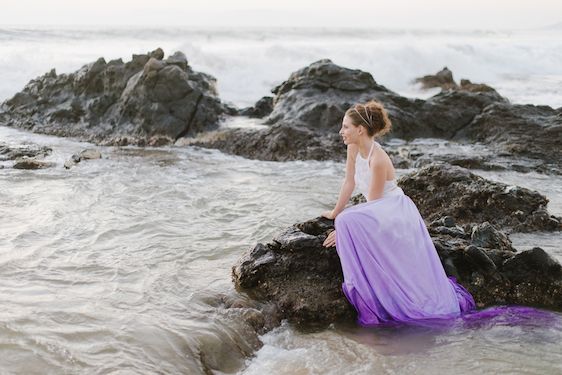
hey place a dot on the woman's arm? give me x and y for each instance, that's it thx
(376, 185)
(348, 183)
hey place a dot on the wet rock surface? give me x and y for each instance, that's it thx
(443, 190)
(276, 143)
(25, 156)
(31, 163)
(87, 154)
(520, 131)
(146, 97)
(12, 152)
(295, 273)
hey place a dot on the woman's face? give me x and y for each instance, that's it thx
(349, 132)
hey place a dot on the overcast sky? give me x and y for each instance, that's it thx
(473, 14)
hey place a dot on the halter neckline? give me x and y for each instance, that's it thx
(370, 151)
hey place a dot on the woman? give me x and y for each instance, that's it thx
(391, 270)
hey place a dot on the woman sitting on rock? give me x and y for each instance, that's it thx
(391, 270)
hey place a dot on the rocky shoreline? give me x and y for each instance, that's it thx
(154, 101)
(302, 279)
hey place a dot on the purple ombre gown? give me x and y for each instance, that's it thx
(391, 270)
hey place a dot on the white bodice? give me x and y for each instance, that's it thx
(363, 176)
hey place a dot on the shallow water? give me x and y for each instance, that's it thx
(119, 265)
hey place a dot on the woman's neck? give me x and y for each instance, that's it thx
(365, 145)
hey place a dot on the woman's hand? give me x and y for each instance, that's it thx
(330, 241)
(329, 215)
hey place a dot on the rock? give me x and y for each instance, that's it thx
(30, 163)
(534, 263)
(158, 54)
(262, 108)
(303, 282)
(485, 235)
(317, 96)
(70, 163)
(12, 152)
(443, 79)
(90, 154)
(475, 87)
(443, 190)
(449, 112)
(108, 102)
(520, 131)
(178, 58)
(86, 154)
(295, 273)
(277, 143)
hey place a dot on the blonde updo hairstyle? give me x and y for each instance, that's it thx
(372, 116)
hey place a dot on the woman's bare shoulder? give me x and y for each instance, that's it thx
(380, 159)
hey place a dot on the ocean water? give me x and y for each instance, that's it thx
(122, 265)
(524, 66)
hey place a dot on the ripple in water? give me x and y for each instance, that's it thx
(123, 265)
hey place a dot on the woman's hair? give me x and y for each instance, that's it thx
(372, 116)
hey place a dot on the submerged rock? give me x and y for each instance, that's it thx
(145, 97)
(86, 154)
(31, 163)
(12, 152)
(295, 273)
(26, 156)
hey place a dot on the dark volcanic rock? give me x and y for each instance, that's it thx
(451, 111)
(443, 79)
(303, 279)
(443, 190)
(277, 143)
(318, 95)
(299, 275)
(143, 98)
(262, 108)
(520, 130)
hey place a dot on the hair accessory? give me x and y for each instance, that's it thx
(363, 118)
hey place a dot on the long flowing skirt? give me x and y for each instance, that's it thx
(392, 272)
